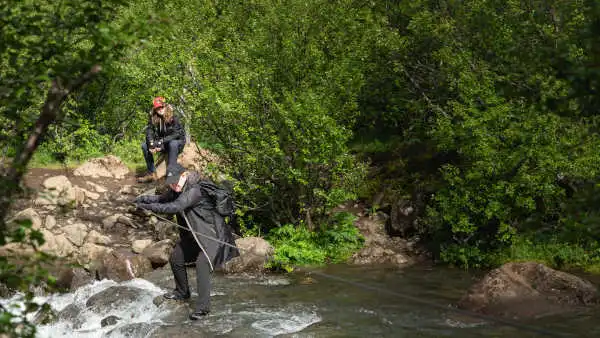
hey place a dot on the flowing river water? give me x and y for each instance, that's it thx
(294, 305)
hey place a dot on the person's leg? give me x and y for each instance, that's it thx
(173, 149)
(177, 262)
(148, 157)
(203, 275)
(184, 251)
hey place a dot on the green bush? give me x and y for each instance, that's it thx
(129, 150)
(552, 252)
(296, 245)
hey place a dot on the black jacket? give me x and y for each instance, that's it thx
(196, 210)
(165, 131)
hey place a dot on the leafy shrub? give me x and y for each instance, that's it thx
(296, 245)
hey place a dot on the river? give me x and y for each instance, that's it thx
(296, 305)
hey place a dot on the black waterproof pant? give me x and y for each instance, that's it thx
(186, 251)
(172, 148)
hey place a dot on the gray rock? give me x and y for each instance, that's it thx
(57, 244)
(131, 330)
(76, 233)
(108, 166)
(73, 278)
(59, 183)
(119, 266)
(179, 331)
(139, 245)
(159, 253)
(69, 313)
(97, 238)
(112, 298)
(27, 215)
(50, 222)
(109, 321)
(528, 289)
(96, 187)
(254, 254)
(109, 222)
(90, 253)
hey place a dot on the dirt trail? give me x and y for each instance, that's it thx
(36, 176)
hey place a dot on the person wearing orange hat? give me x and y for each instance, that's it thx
(164, 134)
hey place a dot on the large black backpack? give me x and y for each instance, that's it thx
(222, 197)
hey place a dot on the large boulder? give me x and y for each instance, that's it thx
(379, 247)
(113, 297)
(139, 245)
(57, 245)
(97, 238)
(57, 183)
(26, 215)
(91, 253)
(58, 190)
(71, 278)
(108, 166)
(528, 289)
(76, 233)
(159, 253)
(120, 266)
(255, 252)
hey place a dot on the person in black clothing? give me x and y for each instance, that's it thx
(164, 134)
(195, 210)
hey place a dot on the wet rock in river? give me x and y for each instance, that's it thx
(69, 313)
(113, 297)
(255, 252)
(131, 330)
(120, 266)
(109, 321)
(528, 289)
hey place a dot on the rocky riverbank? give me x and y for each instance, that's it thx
(87, 219)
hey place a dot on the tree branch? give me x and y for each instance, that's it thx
(56, 95)
(429, 102)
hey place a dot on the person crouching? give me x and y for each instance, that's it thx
(196, 211)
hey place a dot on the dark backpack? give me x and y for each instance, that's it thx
(221, 196)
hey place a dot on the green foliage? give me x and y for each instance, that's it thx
(333, 243)
(551, 251)
(23, 273)
(85, 143)
(482, 111)
(500, 91)
(48, 51)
